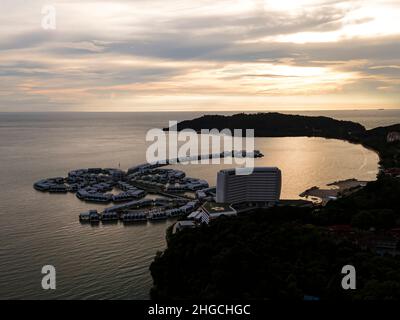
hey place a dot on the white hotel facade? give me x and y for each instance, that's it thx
(262, 186)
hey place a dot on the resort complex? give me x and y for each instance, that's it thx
(154, 192)
(151, 192)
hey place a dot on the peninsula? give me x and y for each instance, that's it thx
(293, 252)
(275, 124)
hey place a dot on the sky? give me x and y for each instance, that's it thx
(203, 55)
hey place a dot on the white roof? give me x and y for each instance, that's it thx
(193, 214)
(186, 223)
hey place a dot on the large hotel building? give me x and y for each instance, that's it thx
(262, 186)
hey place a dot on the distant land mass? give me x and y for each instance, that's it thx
(276, 124)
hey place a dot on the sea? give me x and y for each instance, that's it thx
(112, 261)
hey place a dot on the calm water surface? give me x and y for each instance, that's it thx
(111, 261)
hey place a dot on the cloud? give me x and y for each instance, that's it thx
(143, 50)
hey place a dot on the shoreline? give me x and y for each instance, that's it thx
(272, 124)
(375, 139)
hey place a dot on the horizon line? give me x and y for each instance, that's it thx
(204, 111)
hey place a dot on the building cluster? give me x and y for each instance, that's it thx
(168, 180)
(100, 179)
(206, 213)
(190, 199)
(235, 193)
(93, 185)
(142, 210)
(130, 205)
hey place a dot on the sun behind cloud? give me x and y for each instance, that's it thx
(200, 55)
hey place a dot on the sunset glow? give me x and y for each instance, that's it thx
(200, 55)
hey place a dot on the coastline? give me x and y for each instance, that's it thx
(360, 226)
(270, 125)
(283, 125)
(104, 146)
